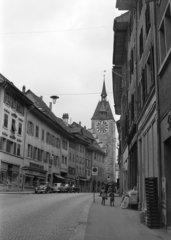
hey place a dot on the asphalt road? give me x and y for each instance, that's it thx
(40, 216)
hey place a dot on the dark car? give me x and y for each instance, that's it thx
(43, 187)
(75, 189)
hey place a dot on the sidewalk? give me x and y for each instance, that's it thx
(108, 223)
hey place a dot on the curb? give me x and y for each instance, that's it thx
(80, 229)
(16, 192)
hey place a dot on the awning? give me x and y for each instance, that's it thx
(58, 176)
(82, 179)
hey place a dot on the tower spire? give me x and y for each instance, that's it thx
(104, 94)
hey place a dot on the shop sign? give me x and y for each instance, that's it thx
(35, 165)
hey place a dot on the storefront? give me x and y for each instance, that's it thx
(33, 174)
(166, 170)
(9, 174)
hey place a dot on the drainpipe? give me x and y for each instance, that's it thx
(157, 114)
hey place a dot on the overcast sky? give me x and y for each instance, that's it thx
(60, 47)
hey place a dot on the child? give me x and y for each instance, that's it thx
(112, 197)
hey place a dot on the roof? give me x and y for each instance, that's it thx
(104, 94)
(120, 29)
(103, 104)
(41, 105)
(125, 4)
(11, 88)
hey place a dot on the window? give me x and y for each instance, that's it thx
(37, 131)
(18, 149)
(150, 70)
(13, 128)
(39, 154)
(35, 153)
(30, 151)
(7, 98)
(65, 160)
(42, 155)
(141, 43)
(57, 160)
(131, 64)
(14, 104)
(8, 145)
(5, 120)
(140, 6)
(147, 18)
(165, 34)
(64, 145)
(53, 141)
(43, 134)
(20, 108)
(73, 158)
(30, 128)
(19, 128)
(47, 157)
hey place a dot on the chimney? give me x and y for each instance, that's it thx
(65, 118)
(50, 106)
(85, 127)
(24, 89)
(80, 123)
(41, 97)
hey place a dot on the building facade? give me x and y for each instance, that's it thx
(141, 74)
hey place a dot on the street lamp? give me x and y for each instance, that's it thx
(54, 98)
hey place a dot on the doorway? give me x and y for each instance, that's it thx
(167, 163)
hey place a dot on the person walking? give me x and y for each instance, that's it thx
(112, 198)
(103, 195)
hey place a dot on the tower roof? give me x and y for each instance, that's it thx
(104, 94)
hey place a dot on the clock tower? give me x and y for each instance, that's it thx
(103, 125)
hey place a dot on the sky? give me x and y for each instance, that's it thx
(60, 47)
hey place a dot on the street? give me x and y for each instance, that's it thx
(40, 216)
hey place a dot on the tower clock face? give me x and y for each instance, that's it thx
(102, 126)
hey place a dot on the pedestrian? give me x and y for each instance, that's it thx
(103, 195)
(112, 198)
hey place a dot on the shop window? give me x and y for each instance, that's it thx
(43, 134)
(20, 128)
(30, 128)
(37, 131)
(13, 127)
(18, 149)
(5, 120)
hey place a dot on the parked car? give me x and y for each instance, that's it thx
(43, 187)
(58, 187)
(75, 189)
(67, 188)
